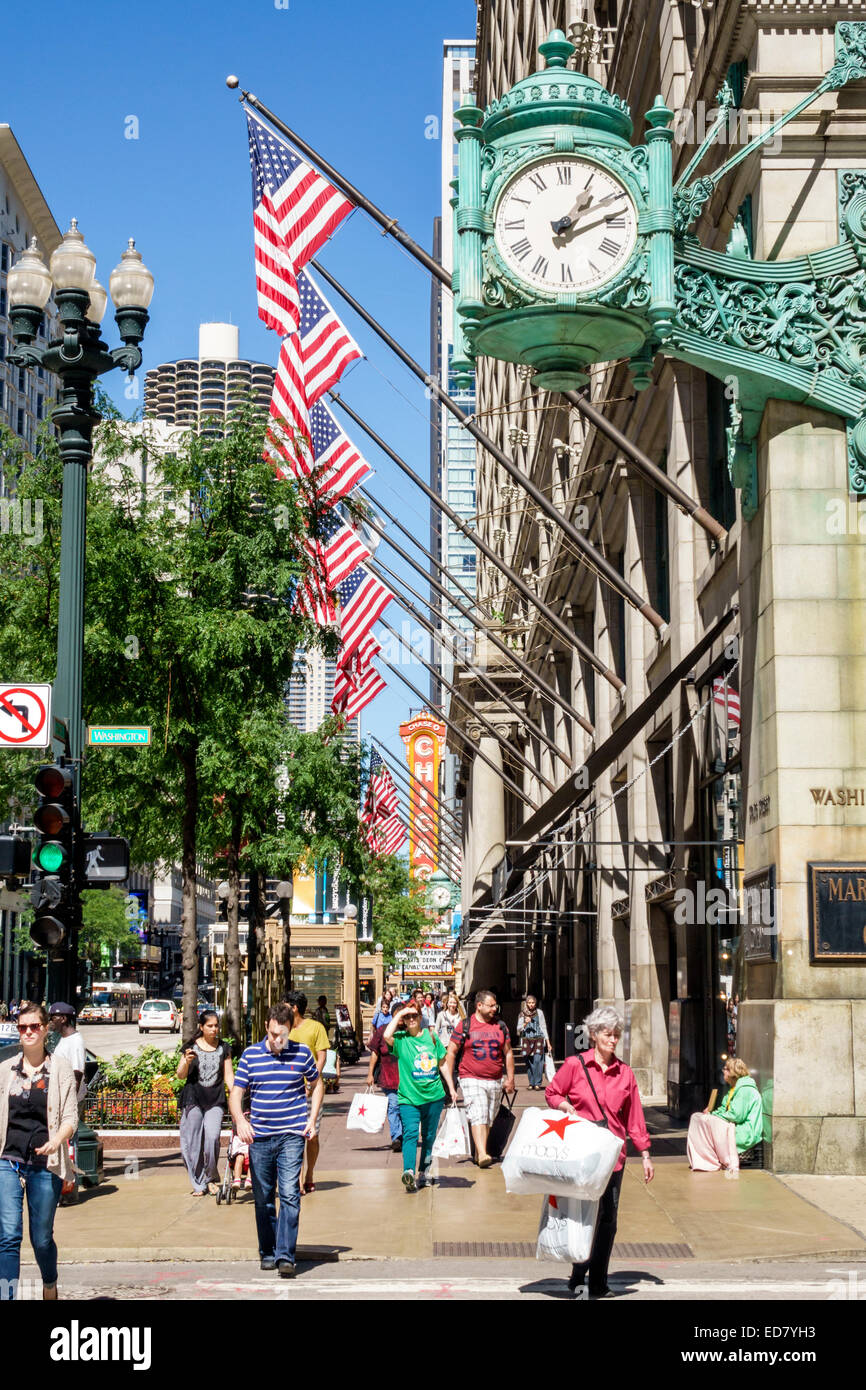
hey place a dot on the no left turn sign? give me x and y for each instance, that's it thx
(25, 714)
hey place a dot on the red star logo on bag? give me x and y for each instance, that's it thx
(362, 1110)
(557, 1126)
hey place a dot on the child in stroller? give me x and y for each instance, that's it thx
(239, 1157)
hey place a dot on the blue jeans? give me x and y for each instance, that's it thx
(535, 1067)
(395, 1124)
(275, 1166)
(426, 1118)
(43, 1193)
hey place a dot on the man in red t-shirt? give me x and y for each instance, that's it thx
(482, 1046)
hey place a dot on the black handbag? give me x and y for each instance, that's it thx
(603, 1122)
(500, 1130)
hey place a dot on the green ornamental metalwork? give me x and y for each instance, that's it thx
(574, 247)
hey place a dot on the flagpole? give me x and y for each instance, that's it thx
(653, 474)
(505, 569)
(479, 675)
(595, 559)
(458, 733)
(445, 841)
(482, 719)
(390, 226)
(490, 635)
(441, 569)
(453, 826)
(511, 575)
(412, 796)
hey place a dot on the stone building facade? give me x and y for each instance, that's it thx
(639, 899)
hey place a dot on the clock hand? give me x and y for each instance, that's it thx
(575, 229)
(581, 203)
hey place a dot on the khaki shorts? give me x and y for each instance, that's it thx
(481, 1099)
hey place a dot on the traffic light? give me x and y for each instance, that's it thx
(14, 856)
(53, 859)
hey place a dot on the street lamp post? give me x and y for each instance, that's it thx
(77, 358)
(285, 892)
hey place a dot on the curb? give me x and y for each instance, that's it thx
(198, 1254)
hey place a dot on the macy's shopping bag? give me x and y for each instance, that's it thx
(367, 1112)
(452, 1136)
(558, 1153)
(566, 1229)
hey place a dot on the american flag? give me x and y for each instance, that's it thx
(335, 549)
(311, 362)
(356, 681)
(381, 792)
(363, 599)
(295, 211)
(313, 600)
(353, 692)
(339, 466)
(388, 836)
(721, 696)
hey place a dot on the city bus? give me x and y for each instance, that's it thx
(113, 1001)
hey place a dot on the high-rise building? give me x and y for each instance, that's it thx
(192, 389)
(24, 214)
(452, 451)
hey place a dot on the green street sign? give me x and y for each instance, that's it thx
(118, 735)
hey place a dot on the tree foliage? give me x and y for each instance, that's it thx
(398, 905)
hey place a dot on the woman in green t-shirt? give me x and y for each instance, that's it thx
(420, 1093)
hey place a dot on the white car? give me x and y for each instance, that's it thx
(158, 1013)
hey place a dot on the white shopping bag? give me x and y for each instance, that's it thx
(367, 1112)
(549, 1067)
(558, 1153)
(452, 1136)
(566, 1229)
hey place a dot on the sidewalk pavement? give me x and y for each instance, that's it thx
(359, 1210)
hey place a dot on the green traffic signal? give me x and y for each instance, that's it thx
(51, 857)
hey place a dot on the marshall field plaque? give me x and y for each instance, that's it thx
(837, 911)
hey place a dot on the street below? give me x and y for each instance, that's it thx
(109, 1040)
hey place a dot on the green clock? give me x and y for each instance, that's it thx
(565, 224)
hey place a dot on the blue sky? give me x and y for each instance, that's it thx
(356, 81)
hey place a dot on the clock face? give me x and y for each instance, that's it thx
(565, 224)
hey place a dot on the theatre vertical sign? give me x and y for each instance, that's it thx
(424, 740)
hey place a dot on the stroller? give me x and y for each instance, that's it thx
(345, 1038)
(227, 1193)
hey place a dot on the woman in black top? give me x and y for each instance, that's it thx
(38, 1115)
(206, 1066)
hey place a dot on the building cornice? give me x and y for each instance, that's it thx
(28, 190)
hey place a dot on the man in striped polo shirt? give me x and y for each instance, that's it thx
(275, 1071)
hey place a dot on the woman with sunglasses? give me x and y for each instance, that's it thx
(421, 1092)
(38, 1115)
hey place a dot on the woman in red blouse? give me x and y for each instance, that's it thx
(597, 1086)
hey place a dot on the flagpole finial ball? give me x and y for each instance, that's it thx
(231, 81)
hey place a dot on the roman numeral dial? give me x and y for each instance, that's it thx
(565, 224)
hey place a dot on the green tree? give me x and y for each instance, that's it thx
(192, 561)
(105, 923)
(398, 904)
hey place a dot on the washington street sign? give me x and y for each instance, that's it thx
(118, 735)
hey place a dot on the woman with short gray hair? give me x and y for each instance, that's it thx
(595, 1085)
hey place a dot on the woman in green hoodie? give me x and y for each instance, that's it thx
(716, 1140)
